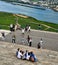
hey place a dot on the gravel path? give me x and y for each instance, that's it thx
(50, 39)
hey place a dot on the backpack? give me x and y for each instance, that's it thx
(32, 59)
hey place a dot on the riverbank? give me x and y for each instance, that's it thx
(7, 18)
(29, 5)
(55, 9)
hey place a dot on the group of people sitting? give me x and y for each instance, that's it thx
(26, 55)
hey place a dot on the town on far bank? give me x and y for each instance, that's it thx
(53, 4)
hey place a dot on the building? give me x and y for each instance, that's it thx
(48, 3)
(52, 1)
(24, 0)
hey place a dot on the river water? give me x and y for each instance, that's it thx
(47, 15)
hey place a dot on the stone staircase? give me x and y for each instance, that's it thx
(8, 50)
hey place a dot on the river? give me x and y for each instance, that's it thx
(47, 15)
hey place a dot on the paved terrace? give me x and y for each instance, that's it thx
(8, 50)
(50, 39)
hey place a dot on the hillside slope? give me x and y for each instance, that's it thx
(8, 50)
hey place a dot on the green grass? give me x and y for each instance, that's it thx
(7, 18)
(51, 24)
(4, 27)
(52, 30)
(30, 21)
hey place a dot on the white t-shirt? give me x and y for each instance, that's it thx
(29, 28)
(11, 25)
(28, 56)
(19, 54)
(23, 30)
(41, 43)
(30, 40)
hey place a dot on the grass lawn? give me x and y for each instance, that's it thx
(7, 18)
